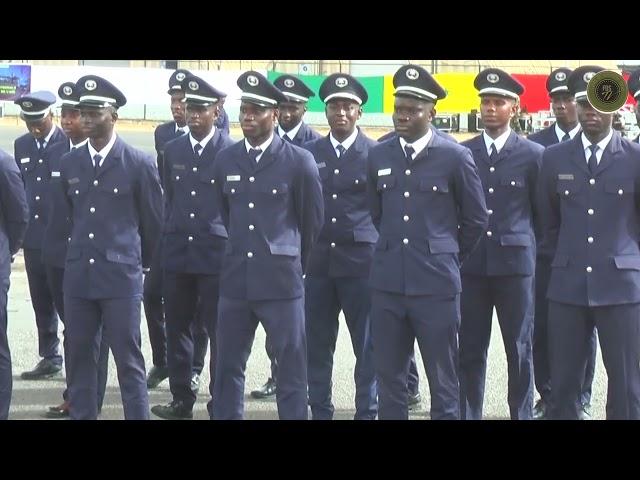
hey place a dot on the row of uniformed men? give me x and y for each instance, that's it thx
(414, 285)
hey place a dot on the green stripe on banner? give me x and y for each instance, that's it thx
(373, 85)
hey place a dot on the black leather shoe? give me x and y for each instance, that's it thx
(175, 410)
(266, 391)
(156, 376)
(61, 411)
(540, 410)
(195, 383)
(44, 369)
(413, 401)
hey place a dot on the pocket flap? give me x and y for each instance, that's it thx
(118, 257)
(513, 181)
(627, 262)
(232, 188)
(369, 235)
(567, 187)
(386, 183)
(289, 250)
(560, 260)
(619, 186)
(515, 240)
(278, 189)
(435, 184)
(443, 245)
(219, 230)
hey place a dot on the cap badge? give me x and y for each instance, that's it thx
(90, 84)
(289, 83)
(253, 80)
(193, 85)
(412, 74)
(180, 76)
(27, 104)
(561, 76)
(493, 78)
(341, 82)
(67, 90)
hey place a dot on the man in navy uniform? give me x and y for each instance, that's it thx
(14, 218)
(58, 229)
(273, 209)
(152, 297)
(633, 82)
(499, 273)
(194, 240)
(114, 199)
(339, 264)
(222, 122)
(589, 197)
(413, 382)
(292, 129)
(426, 201)
(564, 128)
(31, 152)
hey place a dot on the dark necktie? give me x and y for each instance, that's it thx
(409, 151)
(593, 160)
(41, 144)
(96, 162)
(493, 158)
(179, 132)
(341, 150)
(253, 154)
(197, 148)
(566, 137)
(286, 137)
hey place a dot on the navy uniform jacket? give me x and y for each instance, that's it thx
(345, 245)
(273, 211)
(392, 134)
(58, 227)
(430, 214)
(510, 195)
(14, 211)
(305, 134)
(592, 223)
(222, 122)
(194, 235)
(36, 173)
(164, 133)
(545, 137)
(116, 218)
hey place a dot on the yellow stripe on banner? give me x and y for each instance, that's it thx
(462, 97)
(387, 100)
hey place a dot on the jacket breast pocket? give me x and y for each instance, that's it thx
(627, 262)
(438, 185)
(620, 186)
(388, 182)
(513, 181)
(286, 250)
(515, 240)
(232, 189)
(121, 257)
(567, 188)
(116, 191)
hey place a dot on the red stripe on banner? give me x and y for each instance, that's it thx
(535, 96)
